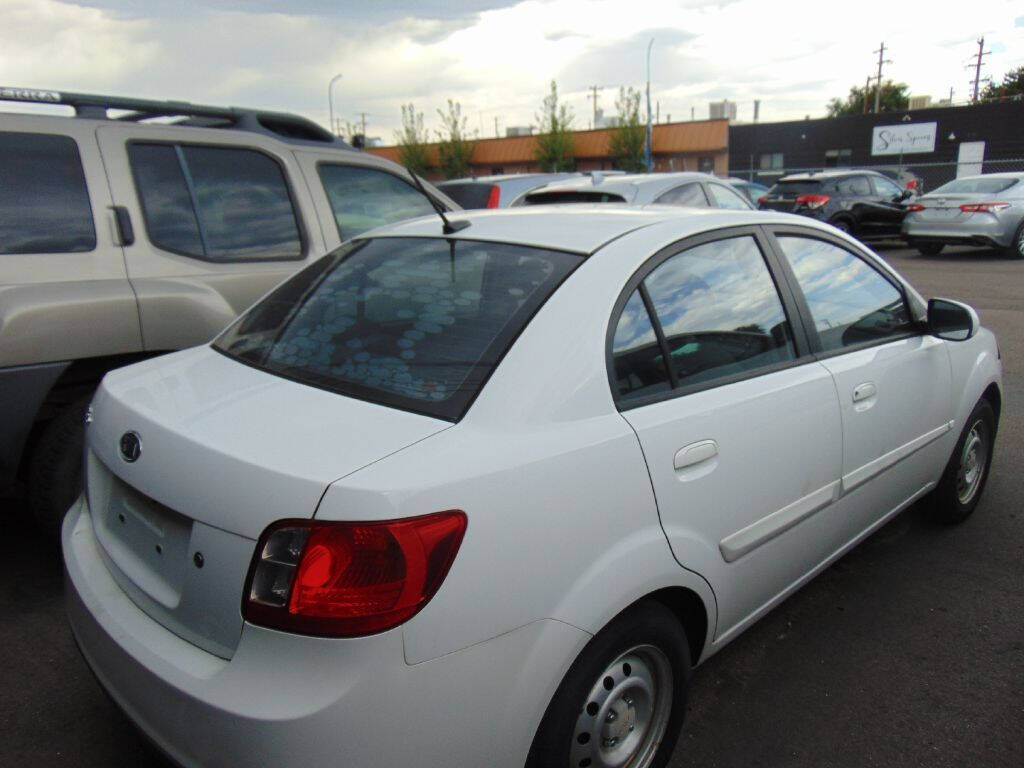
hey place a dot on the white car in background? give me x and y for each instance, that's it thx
(483, 496)
(686, 188)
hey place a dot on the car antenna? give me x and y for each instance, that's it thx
(449, 227)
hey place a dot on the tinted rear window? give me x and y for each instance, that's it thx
(981, 186)
(796, 188)
(44, 204)
(550, 198)
(414, 323)
(468, 194)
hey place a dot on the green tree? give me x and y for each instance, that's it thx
(630, 136)
(454, 150)
(412, 141)
(554, 141)
(1012, 85)
(893, 99)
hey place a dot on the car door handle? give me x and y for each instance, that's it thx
(695, 453)
(864, 391)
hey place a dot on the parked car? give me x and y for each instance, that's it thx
(985, 210)
(689, 189)
(751, 189)
(123, 238)
(864, 203)
(497, 191)
(481, 494)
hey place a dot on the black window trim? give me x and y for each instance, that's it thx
(773, 231)
(801, 342)
(408, 182)
(85, 181)
(305, 248)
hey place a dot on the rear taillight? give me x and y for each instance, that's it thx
(349, 579)
(914, 208)
(983, 207)
(762, 200)
(813, 201)
(495, 197)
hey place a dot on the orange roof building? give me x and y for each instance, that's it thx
(693, 146)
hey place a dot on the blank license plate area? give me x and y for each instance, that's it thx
(147, 541)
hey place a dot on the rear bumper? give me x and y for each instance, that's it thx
(285, 699)
(983, 232)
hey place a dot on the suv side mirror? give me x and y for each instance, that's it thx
(951, 320)
(906, 194)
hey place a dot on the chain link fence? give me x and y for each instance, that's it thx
(929, 176)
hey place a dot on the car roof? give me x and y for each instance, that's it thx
(825, 175)
(580, 227)
(626, 186)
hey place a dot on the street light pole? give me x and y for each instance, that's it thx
(330, 101)
(647, 149)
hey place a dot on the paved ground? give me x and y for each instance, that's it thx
(907, 652)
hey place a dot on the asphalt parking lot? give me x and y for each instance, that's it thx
(907, 652)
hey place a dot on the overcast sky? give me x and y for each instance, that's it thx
(497, 58)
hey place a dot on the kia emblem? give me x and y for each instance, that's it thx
(131, 446)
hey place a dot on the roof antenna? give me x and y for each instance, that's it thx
(449, 227)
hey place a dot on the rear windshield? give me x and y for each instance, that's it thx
(982, 186)
(549, 198)
(468, 194)
(414, 323)
(795, 188)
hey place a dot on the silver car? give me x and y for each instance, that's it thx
(985, 210)
(687, 188)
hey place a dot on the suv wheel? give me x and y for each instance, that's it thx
(843, 225)
(55, 477)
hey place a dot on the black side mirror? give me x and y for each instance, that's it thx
(906, 194)
(951, 320)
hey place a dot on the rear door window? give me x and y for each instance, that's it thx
(856, 186)
(364, 198)
(414, 323)
(44, 202)
(218, 204)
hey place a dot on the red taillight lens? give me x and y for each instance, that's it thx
(494, 198)
(812, 201)
(349, 579)
(912, 184)
(914, 208)
(983, 207)
(761, 200)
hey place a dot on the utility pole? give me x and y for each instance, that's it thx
(362, 116)
(593, 97)
(878, 84)
(496, 134)
(867, 87)
(976, 82)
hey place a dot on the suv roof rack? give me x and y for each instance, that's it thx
(281, 125)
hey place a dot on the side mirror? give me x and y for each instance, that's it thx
(906, 194)
(951, 320)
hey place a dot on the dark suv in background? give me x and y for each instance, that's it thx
(864, 203)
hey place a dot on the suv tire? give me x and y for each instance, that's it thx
(55, 479)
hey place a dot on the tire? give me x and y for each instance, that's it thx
(622, 702)
(962, 482)
(930, 249)
(55, 475)
(1016, 248)
(843, 225)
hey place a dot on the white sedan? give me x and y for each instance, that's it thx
(484, 496)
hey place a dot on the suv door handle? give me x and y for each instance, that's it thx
(864, 391)
(125, 231)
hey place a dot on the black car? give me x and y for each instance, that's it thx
(864, 203)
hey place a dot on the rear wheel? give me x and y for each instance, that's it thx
(55, 476)
(1016, 248)
(843, 225)
(622, 701)
(959, 490)
(930, 249)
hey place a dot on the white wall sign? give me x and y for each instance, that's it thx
(969, 158)
(905, 139)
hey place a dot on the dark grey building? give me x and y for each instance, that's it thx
(933, 144)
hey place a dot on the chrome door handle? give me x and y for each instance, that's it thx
(695, 453)
(864, 391)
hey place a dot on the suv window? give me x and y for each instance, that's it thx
(364, 198)
(854, 185)
(688, 194)
(719, 311)
(215, 203)
(636, 354)
(726, 198)
(414, 323)
(849, 301)
(885, 188)
(44, 202)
